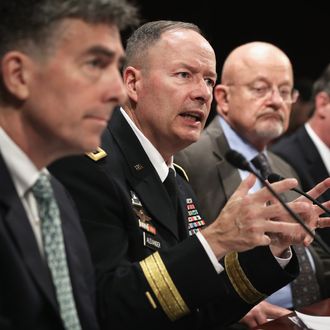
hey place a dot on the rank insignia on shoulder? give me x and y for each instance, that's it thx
(97, 154)
(150, 242)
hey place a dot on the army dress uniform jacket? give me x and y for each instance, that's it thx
(27, 295)
(150, 272)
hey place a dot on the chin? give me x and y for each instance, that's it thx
(271, 131)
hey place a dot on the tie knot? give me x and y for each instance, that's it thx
(261, 163)
(42, 188)
(171, 174)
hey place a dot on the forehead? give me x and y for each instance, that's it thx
(271, 68)
(184, 46)
(78, 35)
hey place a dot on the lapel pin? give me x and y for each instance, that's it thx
(138, 167)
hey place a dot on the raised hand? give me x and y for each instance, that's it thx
(246, 220)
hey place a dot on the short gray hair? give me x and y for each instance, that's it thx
(147, 35)
(322, 84)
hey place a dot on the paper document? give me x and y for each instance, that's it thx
(314, 322)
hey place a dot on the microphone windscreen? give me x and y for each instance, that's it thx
(273, 177)
(237, 160)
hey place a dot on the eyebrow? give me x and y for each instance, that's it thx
(100, 50)
(265, 80)
(193, 69)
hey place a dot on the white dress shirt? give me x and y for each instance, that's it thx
(24, 175)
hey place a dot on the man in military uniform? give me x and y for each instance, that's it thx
(156, 264)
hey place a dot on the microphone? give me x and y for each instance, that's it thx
(273, 177)
(239, 161)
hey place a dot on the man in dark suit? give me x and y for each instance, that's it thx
(157, 266)
(250, 115)
(59, 84)
(307, 150)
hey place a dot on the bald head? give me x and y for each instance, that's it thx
(256, 92)
(252, 58)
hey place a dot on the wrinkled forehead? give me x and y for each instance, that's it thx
(184, 45)
(273, 70)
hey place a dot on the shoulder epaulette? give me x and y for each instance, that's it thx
(97, 154)
(181, 171)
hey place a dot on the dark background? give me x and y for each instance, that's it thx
(300, 29)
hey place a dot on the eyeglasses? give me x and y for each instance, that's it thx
(287, 94)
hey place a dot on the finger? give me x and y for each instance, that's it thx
(260, 318)
(285, 228)
(278, 311)
(277, 210)
(326, 205)
(320, 188)
(245, 186)
(308, 240)
(301, 207)
(323, 222)
(263, 195)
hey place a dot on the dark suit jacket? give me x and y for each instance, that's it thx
(106, 192)
(27, 297)
(300, 152)
(214, 180)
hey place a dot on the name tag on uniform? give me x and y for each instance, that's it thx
(150, 242)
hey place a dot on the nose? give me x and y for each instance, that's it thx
(115, 88)
(275, 96)
(203, 91)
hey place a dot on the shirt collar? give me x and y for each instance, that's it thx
(320, 146)
(153, 154)
(22, 170)
(236, 142)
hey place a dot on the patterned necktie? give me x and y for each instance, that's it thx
(171, 187)
(261, 163)
(54, 249)
(305, 289)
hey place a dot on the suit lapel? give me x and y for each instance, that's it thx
(313, 159)
(142, 177)
(229, 176)
(19, 226)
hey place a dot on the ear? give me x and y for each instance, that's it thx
(221, 95)
(14, 67)
(131, 78)
(322, 100)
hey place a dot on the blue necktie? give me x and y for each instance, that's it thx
(54, 249)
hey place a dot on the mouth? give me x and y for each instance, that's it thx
(272, 115)
(193, 116)
(101, 120)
